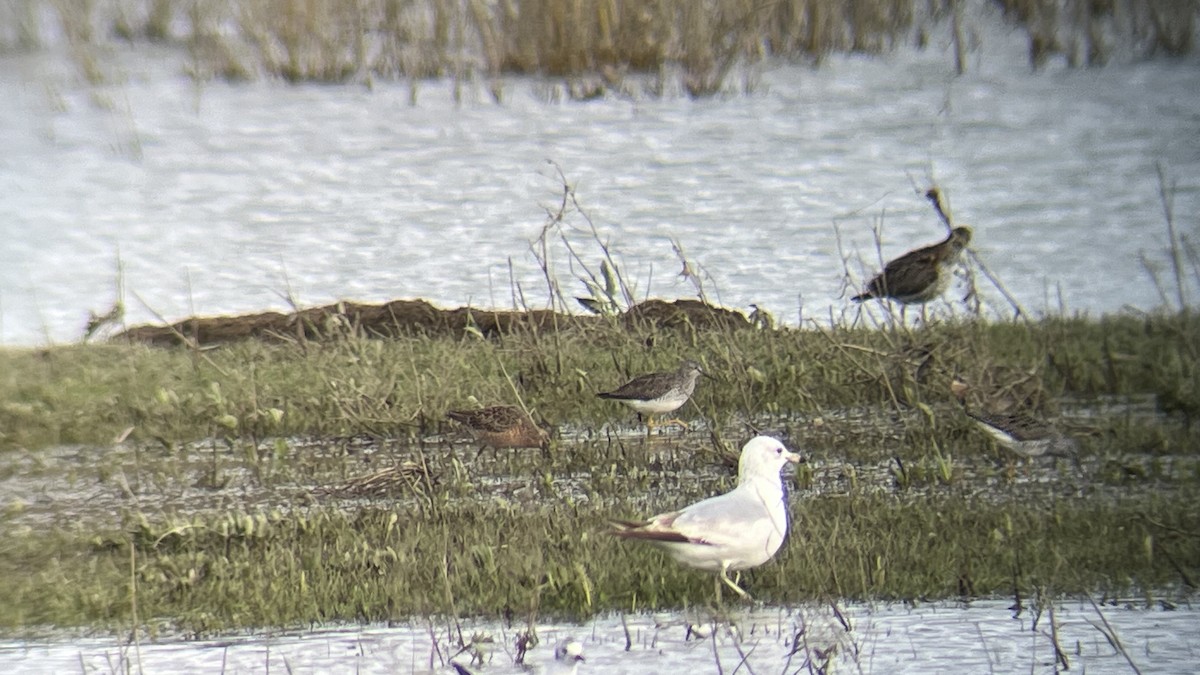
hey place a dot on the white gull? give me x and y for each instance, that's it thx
(740, 529)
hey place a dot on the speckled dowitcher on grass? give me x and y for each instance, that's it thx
(502, 426)
(920, 275)
(1018, 431)
(658, 393)
(738, 530)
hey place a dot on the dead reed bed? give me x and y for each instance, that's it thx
(596, 44)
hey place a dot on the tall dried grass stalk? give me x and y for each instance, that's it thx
(700, 40)
(1087, 32)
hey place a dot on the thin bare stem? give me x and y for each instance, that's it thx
(191, 344)
(1018, 311)
(1111, 635)
(137, 640)
(716, 654)
(1166, 193)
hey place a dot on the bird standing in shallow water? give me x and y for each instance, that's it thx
(568, 654)
(1019, 432)
(920, 275)
(738, 530)
(658, 393)
(501, 426)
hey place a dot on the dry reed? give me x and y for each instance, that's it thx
(594, 44)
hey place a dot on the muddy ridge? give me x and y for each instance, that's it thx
(415, 317)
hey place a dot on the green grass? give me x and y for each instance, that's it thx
(216, 506)
(403, 387)
(221, 571)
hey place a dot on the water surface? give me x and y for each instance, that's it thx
(982, 637)
(226, 198)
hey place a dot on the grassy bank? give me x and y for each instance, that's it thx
(402, 388)
(595, 43)
(232, 497)
(217, 572)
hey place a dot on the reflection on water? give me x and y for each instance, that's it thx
(228, 198)
(983, 637)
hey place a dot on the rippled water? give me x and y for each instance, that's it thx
(226, 198)
(984, 637)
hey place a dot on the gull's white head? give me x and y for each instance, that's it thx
(763, 456)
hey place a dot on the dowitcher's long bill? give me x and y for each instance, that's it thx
(920, 275)
(658, 393)
(738, 530)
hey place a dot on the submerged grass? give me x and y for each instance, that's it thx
(499, 557)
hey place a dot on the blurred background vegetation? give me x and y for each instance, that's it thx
(696, 43)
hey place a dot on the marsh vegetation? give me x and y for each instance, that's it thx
(278, 484)
(597, 45)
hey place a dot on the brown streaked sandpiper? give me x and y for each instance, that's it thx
(501, 426)
(1018, 431)
(919, 275)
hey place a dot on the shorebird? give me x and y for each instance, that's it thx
(658, 393)
(738, 530)
(1019, 432)
(501, 426)
(919, 275)
(568, 654)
